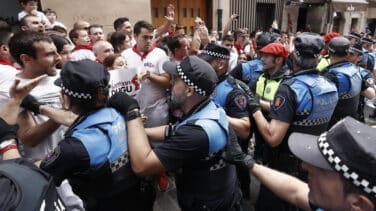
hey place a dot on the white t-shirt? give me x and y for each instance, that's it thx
(41, 15)
(7, 76)
(151, 97)
(82, 54)
(48, 93)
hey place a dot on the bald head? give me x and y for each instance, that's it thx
(102, 49)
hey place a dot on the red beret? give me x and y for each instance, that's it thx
(276, 49)
(330, 36)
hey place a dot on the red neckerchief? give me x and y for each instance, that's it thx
(83, 47)
(97, 61)
(6, 62)
(238, 48)
(143, 56)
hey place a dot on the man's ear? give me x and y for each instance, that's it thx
(359, 202)
(190, 91)
(279, 60)
(25, 58)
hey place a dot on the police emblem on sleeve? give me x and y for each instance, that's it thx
(371, 81)
(278, 102)
(52, 156)
(241, 102)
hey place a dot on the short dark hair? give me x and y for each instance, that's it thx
(117, 39)
(23, 43)
(25, 1)
(59, 42)
(110, 59)
(119, 22)
(142, 24)
(174, 42)
(48, 10)
(94, 26)
(228, 38)
(5, 37)
(74, 33)
(23, 20)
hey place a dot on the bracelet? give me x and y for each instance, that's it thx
(133, 114)
(7, 148)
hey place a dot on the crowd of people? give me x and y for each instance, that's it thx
(102, 120)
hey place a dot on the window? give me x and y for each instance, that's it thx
(155, 12)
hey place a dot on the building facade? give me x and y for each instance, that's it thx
(318, 16)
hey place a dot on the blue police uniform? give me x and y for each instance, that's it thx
(250, 72)
(205, 181)
(94, 157)
(367, 81)
(348, 80)
(368, 60)
(306, 101)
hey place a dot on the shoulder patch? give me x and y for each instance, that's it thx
(52, 156)
(241, 102)
(371, 81)
(278, 102)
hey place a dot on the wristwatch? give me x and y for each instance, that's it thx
(133, 114)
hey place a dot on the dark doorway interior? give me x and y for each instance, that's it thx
(302, 19)
(265, 14)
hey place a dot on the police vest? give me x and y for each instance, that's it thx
(214, 122)
(251, 71)
(324, 63)
(210, 176)
(266, 88)
(316, 100)
(223, 89)
(348, 95)
(104, 136)
(368, 60)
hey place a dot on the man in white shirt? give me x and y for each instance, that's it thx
(148, 60)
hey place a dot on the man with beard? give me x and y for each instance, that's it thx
(192, 148)
(231, 97)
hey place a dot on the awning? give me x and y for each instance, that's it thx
(349, 5)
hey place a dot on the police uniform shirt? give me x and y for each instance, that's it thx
(70, 156)
(188, 144)
(236, 104)
(367, 79)
(284, 105)
(237, 72)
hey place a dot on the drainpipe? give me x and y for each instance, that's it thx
(220, 12)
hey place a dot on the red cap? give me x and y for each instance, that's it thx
(276, 49)
(330, 36)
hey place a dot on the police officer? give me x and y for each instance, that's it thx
(94, 153)
(249, 72)
(193, 146)
(368, 83)
(275, 69)
(338, 162)
(304, 102)
(346, 77)
(325, 61)
(230, 96)
(368, 57)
